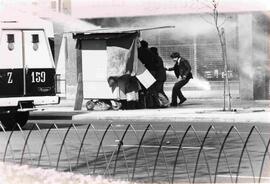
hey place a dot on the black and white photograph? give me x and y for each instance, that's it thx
(134, 91)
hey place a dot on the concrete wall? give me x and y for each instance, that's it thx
(261, 56)
(245, 57)
(253, 56)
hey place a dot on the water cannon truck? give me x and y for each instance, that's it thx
(27, 69)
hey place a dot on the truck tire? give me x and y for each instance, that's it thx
(22, 118)
(9, 121)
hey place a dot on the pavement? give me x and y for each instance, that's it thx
(193, 110)
(204, 104)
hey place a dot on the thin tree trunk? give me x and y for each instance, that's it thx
(226, 68)
(222, 40)
(225, 74)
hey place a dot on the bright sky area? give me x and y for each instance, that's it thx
(100, 8)
(112, 8)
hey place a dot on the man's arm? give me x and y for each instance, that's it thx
(186, 63)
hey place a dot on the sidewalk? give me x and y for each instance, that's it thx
(193, 110)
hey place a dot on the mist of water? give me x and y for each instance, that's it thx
(71, 24)
(194, 26)
(185, 27)
(201, 84)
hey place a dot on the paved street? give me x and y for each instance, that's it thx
(121, 144)
(153, 163)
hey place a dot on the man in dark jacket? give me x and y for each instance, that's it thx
(160, 72)
(181, 68)
(146, 57)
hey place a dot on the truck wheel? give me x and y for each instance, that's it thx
(22, 118)
(9, 121)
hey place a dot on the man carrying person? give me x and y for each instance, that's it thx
(146, 57)
(160, 75)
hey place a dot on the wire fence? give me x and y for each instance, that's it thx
(142, 155)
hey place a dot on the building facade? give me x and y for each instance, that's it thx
(247, 46)
(194, 36)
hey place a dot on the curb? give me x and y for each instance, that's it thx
(177, 115)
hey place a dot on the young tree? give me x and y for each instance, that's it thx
(213, 5)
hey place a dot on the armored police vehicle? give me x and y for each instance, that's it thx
(27, 70)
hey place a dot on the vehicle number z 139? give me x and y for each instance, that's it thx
(38, 77)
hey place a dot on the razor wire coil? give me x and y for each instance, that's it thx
(148, 155)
